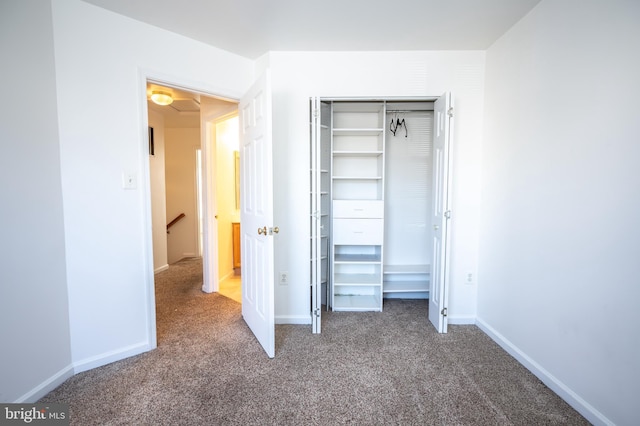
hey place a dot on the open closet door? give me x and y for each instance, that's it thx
(316, 223)
(256, 213)
(438, 292)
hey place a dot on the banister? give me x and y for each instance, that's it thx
(174, 221)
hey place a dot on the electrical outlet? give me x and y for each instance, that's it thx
(284, 278)
(469, 278)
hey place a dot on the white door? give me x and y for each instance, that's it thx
(438, 294)
(316, 222)
(256, 213)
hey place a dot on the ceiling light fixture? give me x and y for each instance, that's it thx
(161, 98)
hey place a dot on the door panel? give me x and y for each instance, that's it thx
(438, 293)
(256, 213)
(315, 216)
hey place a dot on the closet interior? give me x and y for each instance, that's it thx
(371, 201)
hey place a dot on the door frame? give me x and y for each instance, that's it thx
(210, 138)
(146, 76)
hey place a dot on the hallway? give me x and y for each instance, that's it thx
(231, 287)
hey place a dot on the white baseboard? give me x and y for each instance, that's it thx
(228, 275)
(111, 356)
(563, 391)
(57, 379)
(293, 319)
(461, 320)
(47, 386)
(162, 268)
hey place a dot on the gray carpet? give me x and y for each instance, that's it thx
(388, 368)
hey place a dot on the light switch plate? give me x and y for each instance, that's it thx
(129, 180)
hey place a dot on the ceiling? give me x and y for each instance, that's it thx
(184, 111)
(250, 28)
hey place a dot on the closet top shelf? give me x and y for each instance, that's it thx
(358, 131)
(407, 269)
(357, 258)
(358, 153)
(358, 107)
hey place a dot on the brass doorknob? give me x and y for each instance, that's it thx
(276, 230)
(262, 230)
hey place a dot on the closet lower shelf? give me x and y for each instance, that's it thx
(405, 286)
(356, 303)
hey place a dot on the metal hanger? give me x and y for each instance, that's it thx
(397, 123)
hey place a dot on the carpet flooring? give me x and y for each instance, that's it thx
(388, 368)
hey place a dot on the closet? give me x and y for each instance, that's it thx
(374, 225)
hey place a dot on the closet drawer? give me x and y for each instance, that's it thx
(358, 231)
(358, 208)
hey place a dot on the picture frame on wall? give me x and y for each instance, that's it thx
(151, 142)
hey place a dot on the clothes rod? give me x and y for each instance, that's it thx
(402, 111)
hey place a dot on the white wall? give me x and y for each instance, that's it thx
(560, 229)
(102, 60)
(34, 319)
(158, 194)
(298, 76)
(180, 179)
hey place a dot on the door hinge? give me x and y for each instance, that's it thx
(315, 113)
(316, 312)
(450, 112)
(447, 214)
(444, 312)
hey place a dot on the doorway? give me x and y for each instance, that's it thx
(190, 157)
(228, 212)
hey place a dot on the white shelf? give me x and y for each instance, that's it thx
(407, 269)
(406, 279)
(357, 177)
(358, 132)
(354, 153)
(357, 107)
(405, 286)
(356, 303)
(357, 280)
(357, 258)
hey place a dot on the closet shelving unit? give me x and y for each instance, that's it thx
(357, 188)
(321, 205)
(374, 209)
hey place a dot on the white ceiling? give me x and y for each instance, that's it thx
(251, 28)
(185, 109)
